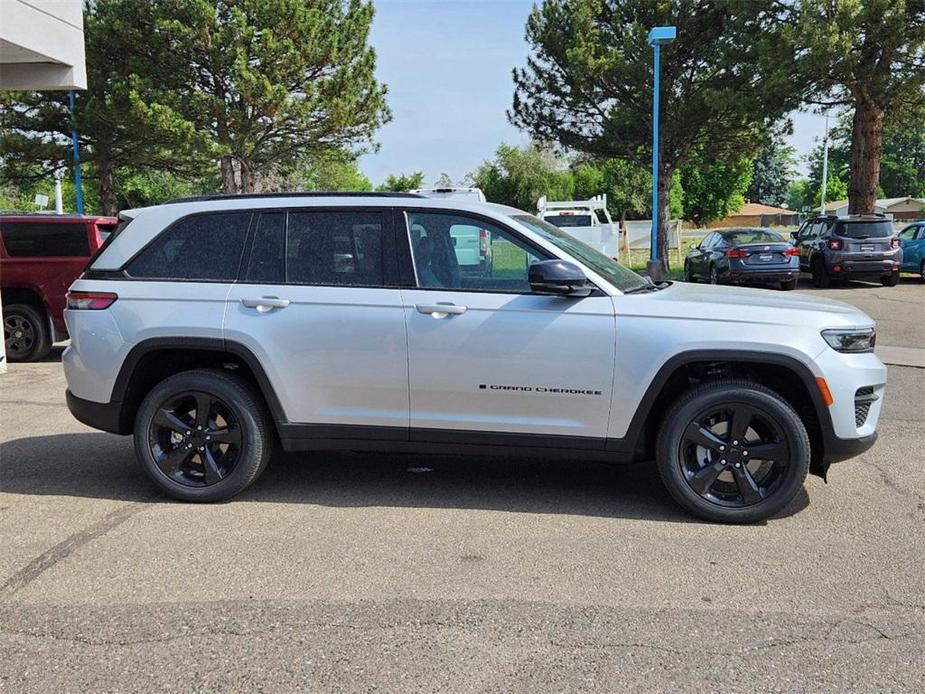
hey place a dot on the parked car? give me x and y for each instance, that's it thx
(213, 329)
(471, 244)
(40, 255)
(855, 247)
(912, 242)
(744, 256)
(588, 221)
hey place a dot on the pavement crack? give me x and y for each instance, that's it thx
(67, 547)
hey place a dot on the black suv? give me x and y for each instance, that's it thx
(863, 247)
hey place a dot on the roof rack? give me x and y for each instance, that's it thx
(248, 196)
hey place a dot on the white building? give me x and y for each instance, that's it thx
(42, 45)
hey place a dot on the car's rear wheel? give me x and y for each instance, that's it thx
(821, 277)
(26, 335)
(733, 451)
(922, 270)
(787, 285)
(202, 435)
(890, 280)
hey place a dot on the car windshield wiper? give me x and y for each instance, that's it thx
(649, 286)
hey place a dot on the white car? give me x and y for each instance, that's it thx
(216, 328)
(471, 243)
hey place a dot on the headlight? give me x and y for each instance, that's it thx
(853, 341)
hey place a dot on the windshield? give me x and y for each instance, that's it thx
(569, 220)
(865, 230)
(620, 277)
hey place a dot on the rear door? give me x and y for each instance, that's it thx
(491, 362)
(318, 304)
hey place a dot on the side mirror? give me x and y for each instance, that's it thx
(794, 235)
(559, 278)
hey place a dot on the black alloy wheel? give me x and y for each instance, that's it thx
(714, 275)
(688, 275)
(734, 455)
(25, 333)
(203, 435)
(195, 439)
(733, 451)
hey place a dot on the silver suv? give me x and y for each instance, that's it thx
(216, 329)
(863, 247)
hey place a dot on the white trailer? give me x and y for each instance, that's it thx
(582, 219)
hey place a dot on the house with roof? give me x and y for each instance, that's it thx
(900, 209)
(754, 214)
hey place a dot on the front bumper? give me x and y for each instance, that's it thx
(837, 450)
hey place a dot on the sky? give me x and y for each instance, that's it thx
(447, 64)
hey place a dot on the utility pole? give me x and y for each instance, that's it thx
(76, 148)
(825, 161)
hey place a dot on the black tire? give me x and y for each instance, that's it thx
(787, 285)
(733, 485)
(714, 275)
(234, 413)
(26, 335)
(922, 270)
(821, 277)
(688, 275)
(890, 280)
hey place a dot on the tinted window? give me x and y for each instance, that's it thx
(268, 255)
(708, 240)
(569, 220)
(200, 247)
(908, 234)
(335, 248)
(865, 230)
(454, 251)
(45, 240)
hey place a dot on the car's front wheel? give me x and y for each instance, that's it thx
(688, 275)
(714, 275)
(733, 452)
(202, 435)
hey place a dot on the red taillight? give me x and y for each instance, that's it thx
(836, 244)
(736, 253)
(93, 301)
(894, 243)
(792, 252)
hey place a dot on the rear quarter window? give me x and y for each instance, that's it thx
(45, 240)
(203, 247)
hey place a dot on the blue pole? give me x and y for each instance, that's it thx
(655, 112)
(76, 148)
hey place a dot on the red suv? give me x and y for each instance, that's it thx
(40, 255)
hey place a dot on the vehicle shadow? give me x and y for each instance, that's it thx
(103, 466)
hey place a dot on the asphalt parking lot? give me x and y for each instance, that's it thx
(355, 572)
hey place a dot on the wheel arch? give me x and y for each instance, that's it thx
(24, 295)
(153, 360)
(787, 376)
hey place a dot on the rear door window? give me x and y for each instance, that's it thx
(339, 248)
(202, 247)
(45, 240)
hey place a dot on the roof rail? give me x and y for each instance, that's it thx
(248, 196)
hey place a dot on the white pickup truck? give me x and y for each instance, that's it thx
(582, 219)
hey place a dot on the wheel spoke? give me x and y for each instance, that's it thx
(748, 488)
(203, 409)
(170, 461)
(776, 450)
(169, 420)
(704, 478)
(209, 466)
(226, 435)
(703, 437)
(741, 420)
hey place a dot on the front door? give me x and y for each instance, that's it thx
(491, 362)
(319, 306)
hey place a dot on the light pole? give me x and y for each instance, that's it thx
(825, 162)
(77, 182)
(657, 37)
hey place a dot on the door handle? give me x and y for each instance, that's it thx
(265, 303)
(440, 310)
